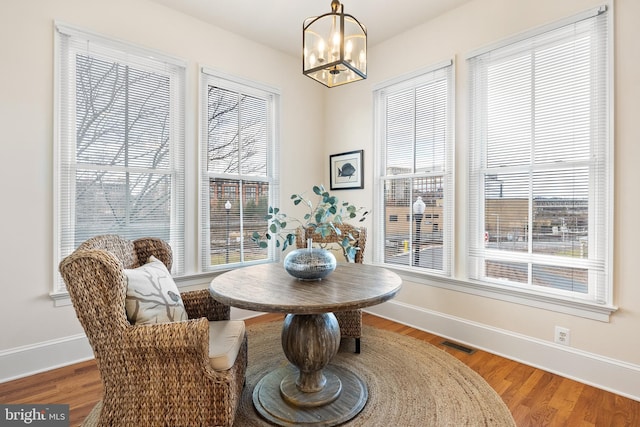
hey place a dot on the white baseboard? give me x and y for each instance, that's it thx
(32, 359)
(605, 373)
(608, 374)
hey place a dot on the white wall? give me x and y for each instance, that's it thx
(28, 316)
(316, 122)
(452, 36)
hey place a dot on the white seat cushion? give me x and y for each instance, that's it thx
(225, 339)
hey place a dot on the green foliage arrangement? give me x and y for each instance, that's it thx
(324, 216)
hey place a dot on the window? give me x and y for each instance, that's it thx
(415, 145)
(238, 151)
(119, 143)
(540, 162)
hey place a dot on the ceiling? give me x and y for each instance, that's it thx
(278, 23)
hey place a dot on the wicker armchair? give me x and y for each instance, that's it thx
(154, 374)
(350, 321)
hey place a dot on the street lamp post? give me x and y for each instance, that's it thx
(418, 212)
(497, 229)
(227, 206)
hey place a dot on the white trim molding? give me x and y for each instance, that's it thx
(32, 359)
(609, 374)
(605, 373)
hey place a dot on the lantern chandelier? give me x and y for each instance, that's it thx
(334, 48)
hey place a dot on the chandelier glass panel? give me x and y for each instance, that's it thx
(334, 48)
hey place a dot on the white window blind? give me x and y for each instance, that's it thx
(540, 166)
(119, 143)
(239, 122)
(415, 136)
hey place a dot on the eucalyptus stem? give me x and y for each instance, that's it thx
(323, 216)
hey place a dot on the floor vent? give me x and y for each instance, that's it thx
(458, 347)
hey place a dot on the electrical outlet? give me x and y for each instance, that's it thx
(562, 336)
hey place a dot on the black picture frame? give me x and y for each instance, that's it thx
(346, 170)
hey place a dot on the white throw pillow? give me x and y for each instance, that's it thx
(152, 295)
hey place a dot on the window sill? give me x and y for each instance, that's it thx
(573, 307)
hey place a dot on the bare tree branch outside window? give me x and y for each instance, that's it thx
(123, 175)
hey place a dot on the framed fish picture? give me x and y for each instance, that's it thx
(346, 170)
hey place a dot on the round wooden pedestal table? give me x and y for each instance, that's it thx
(310, 391)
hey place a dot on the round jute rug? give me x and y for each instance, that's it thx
(410, 382)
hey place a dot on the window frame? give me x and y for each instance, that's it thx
(600, 305)
(64, 156)
(240, 85)
(380, 93)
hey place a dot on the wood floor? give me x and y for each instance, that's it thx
(535, 397)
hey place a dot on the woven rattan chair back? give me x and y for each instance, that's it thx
(350, 321)
(152, 375)
(359, 242)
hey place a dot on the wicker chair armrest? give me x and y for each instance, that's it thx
(164, 347)
(188, 337)
(200, 303)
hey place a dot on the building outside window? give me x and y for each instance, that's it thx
(540, 162)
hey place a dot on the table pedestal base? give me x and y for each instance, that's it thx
(274, 399)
